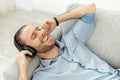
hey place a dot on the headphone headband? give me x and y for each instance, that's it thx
(24, 47)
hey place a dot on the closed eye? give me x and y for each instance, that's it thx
(33, 36)
(34, 33)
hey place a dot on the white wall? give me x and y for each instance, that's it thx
(24, 4)
(58, 6)
(6, 5)
(52, 6)
(106, 4)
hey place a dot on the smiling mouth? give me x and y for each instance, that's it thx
(46, 38)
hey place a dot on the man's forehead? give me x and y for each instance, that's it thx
(27, 32)
(29, 27)
(32, 26)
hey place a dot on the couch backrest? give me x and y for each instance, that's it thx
(105, 39)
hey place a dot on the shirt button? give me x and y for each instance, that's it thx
(83, 66)
(51, 62)
(72, 60)
(96, 69)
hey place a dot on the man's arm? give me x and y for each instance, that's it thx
(22, 75)
(78, 12)
(23, 62)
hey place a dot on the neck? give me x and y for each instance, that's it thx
(53, 53)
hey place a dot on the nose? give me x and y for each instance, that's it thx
(42, 33)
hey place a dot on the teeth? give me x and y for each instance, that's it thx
(45, 38)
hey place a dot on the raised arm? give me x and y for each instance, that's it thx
(23, 62)
(78, 12)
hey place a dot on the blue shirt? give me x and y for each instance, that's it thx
(75, 61)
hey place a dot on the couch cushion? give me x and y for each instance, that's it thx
(105, 40)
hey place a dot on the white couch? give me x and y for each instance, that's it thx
(104, 41)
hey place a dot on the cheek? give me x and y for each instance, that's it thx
(39, 45)
(36, 43)
(50, 41)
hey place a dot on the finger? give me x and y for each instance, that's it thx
(46, 22)
(46, 25)
(28, 58)
(46, 29)
(25, 52)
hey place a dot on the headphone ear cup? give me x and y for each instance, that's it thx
(25, 47)
(31, 49)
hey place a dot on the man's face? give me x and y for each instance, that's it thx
(37, 38)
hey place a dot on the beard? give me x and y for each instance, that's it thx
(46, 48)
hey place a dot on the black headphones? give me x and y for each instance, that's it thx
(25, 47)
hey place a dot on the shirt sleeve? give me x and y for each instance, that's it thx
(84, 27)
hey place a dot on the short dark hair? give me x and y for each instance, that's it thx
(17, 40)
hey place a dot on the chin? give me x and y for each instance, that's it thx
(52, 40)
(48, 46)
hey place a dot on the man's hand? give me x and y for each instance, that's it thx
(77, 12)
(49, 25)
(23, 62)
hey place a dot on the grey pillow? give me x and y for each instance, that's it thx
(105, 40)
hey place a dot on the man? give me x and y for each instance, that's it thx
(67, 59)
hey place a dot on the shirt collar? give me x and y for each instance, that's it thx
(59, 44)
(46, 63)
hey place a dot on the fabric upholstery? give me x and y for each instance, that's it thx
(104, 42)
(11, 71)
